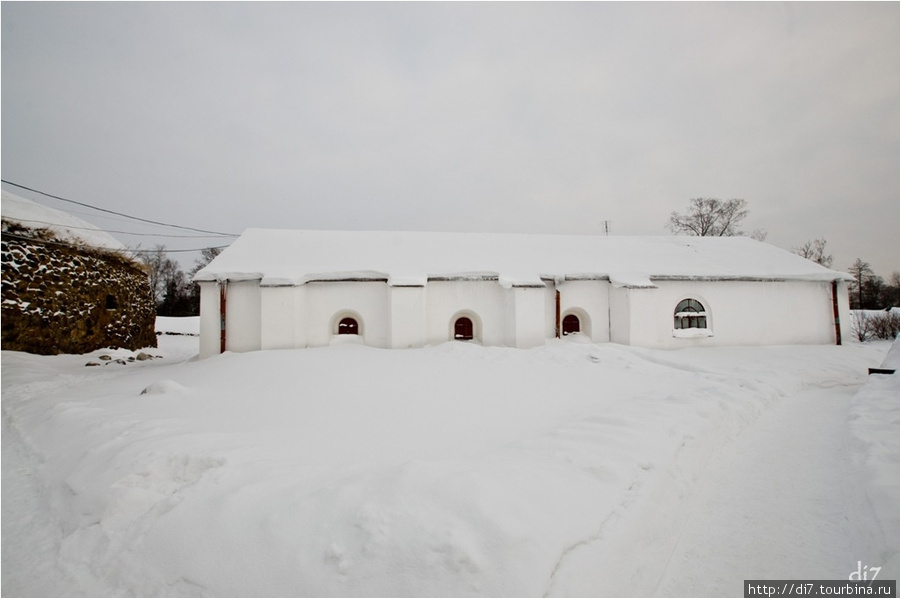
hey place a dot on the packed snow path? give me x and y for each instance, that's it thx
(773, 504)
(29, 540)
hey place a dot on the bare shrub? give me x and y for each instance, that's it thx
(885, 325)
(867, 325)
(860, 325)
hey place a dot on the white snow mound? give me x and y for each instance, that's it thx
(451, 471)
(65, 226)
(164, 387)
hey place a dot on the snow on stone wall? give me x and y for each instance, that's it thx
(63, 299)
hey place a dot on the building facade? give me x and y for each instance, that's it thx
(295, 289)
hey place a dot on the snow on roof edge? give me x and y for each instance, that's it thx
(401, 258)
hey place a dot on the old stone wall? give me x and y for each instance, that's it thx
(58, 298)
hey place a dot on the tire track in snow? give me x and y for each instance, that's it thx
(30, 543)
(773, 506)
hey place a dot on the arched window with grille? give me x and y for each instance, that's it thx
(690, 313)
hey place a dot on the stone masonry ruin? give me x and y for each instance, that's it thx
(60, 297)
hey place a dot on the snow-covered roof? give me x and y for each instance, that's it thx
(65, 226)
(293, 257)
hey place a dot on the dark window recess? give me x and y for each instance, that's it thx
(690, 313)
(571, 324)
(111, 302)
(462, 329)
(348, 326)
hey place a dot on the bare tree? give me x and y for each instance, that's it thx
(814, 250)
(162, 271)
(862, 273)
(894, 286)
(177, 298)
(708, 217)
(207, 255)
(173, 293)
(759, 234)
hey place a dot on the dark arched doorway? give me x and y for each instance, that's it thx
(348, 326)
(463, 329)
(571, 324)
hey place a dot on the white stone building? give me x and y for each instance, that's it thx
(280, 289)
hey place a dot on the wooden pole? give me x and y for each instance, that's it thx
(557, 314)
(837, 313)
(222, 294)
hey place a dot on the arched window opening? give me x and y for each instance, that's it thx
(111, 302)
(348, 326)
(690, 313)
(463, 329)
(571, 324)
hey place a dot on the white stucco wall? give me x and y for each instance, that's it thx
(620, 315)
(278, 326)
(589, 300)
(325, 303)
(485, 301)
(528, 323)
(243, 316)
(210, 324)
(407, 317)
(738, 313)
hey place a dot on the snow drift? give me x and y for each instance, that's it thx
(456, 470)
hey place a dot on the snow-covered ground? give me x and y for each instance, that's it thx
(571, 469)
(178, 326)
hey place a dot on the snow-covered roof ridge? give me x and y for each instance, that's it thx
(64, 226)
(280, 257)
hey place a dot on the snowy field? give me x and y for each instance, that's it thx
(456, 470)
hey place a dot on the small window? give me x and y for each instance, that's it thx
(463, 329)
(571, 324)
(690, 313)
(348, 326)
(111, 302)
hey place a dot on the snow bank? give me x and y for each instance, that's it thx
(179, 336)
(456, 470)
(189, 325)
(874, 421)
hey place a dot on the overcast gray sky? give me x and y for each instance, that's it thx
(509, 117)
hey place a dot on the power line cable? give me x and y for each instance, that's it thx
(123, 250)
(120, 232)
(94, 216)
(117, 213)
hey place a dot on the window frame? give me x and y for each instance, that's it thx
(691, 314)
